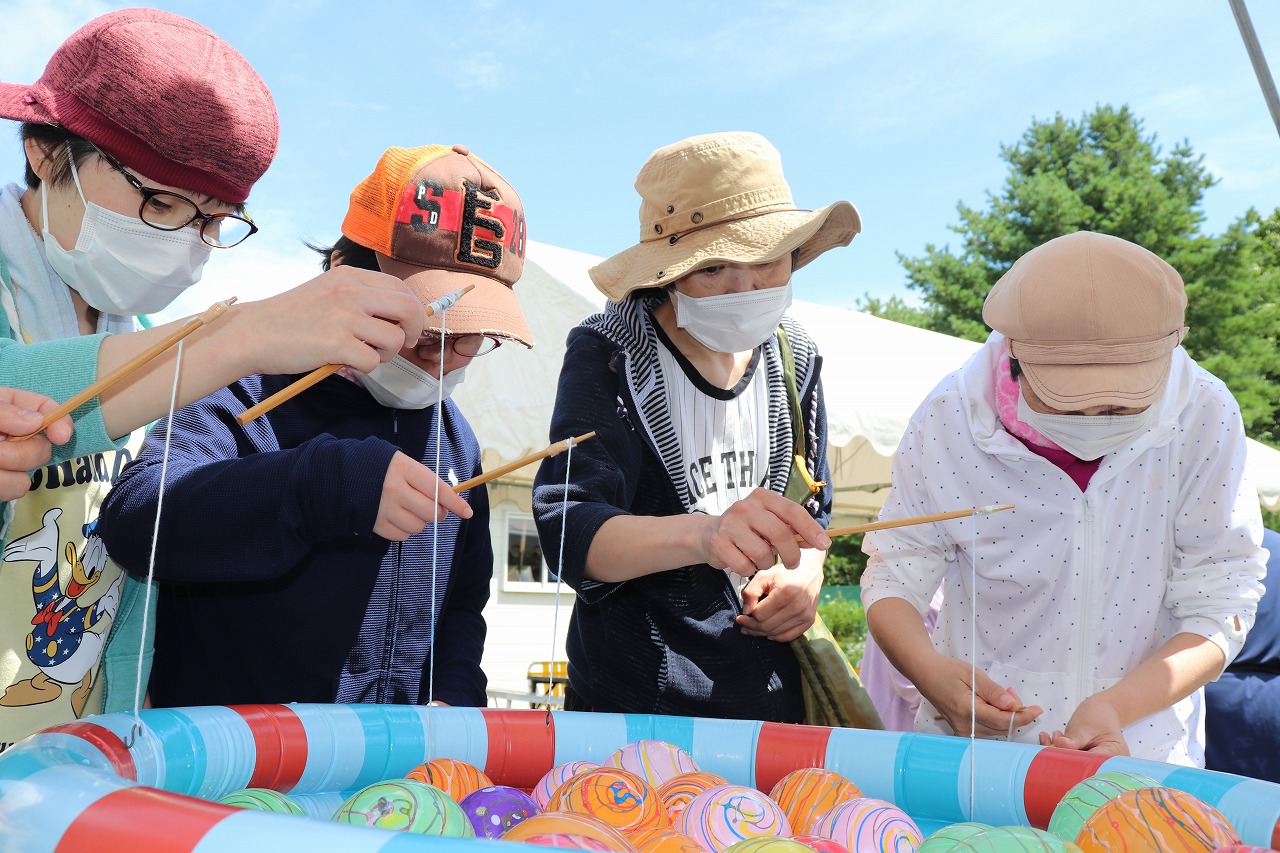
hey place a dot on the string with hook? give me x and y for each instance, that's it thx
(973, 652)
(435, 525)
(136, 729)
(439, 307)
(555, 613)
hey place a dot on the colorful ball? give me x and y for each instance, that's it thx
(678, 791)
(456, 778)
(768, 844)
(620, 798)
(557, 776)
(569, 823)
(1087, 795)
(1156, 819)
(494, 810)
(820, 844)
(868, 824)
(664, 840)
(722, 816)
(567, 841)
(805, 794)
(406, 805)
(949, 836)
(1013, 839)
(656, 760)
(262, 800)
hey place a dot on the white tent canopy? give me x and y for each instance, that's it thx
(875, 373)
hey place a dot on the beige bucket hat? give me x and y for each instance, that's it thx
(718, 198)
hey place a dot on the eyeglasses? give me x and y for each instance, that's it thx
(169, 211)
(467, 346)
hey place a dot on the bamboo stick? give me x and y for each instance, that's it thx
(212, 313)
(551, 450)
(288, 393)
(919, 519)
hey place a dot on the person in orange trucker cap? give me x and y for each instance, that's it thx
(142, 139)
(1129, 570)
(302, 557)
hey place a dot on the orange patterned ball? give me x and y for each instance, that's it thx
(666, 840)
(456, 778)
(1153, 820)
(568, 823)
(678, 791)
(805, 794)
(618, 797)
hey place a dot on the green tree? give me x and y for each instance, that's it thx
(1103, 174)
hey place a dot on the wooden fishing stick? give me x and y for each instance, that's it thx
(288, 393)
(551, 450)
(214, 312)
(919, 519)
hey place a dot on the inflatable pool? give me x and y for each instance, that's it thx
(107, 783)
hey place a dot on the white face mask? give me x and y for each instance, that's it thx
(401, 384)
(1088, 437)
(732, 322)
(121, 265)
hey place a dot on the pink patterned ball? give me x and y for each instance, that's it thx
(820, 844)
(868, 825)
(655, 760)
(567, 841)
(722, 816)
(679, 791)
(557, 776)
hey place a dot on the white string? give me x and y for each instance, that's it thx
(973, 662)
(435, 532)
(555, 612)
(155, 538)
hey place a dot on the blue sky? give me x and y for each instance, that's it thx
(900, 108)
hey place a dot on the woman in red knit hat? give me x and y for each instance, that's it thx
(142, 138)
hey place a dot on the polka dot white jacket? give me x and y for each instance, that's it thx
(1075, 589)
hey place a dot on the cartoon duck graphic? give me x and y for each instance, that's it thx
(66, 637)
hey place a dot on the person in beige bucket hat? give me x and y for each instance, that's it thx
(676, 513)
(1128, 573)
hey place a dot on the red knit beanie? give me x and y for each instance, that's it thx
(161, 94)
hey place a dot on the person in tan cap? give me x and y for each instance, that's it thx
(142, 140)
(1128, 573)
(305, 556)
(678, 510)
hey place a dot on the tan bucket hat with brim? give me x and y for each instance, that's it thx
(718, 198)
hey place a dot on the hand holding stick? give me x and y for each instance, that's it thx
(551, 450)
(919, 519)
(288, 393)
(214, 312)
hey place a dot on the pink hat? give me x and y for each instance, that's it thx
(163, 95)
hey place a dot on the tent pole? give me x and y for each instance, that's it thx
(1259, 61)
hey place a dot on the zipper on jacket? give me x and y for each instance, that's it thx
(1086, 609)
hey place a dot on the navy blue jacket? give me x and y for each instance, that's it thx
(272, 585)
(1242, 716)
(664, 643)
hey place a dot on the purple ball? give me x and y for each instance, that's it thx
(497, 808)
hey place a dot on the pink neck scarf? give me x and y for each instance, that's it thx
(1007, 405)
